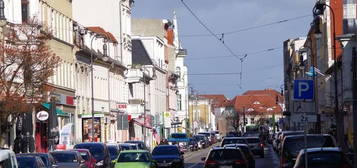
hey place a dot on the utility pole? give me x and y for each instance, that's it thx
(244, 120)
(354, 113)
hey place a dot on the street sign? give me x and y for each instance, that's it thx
(303, 89)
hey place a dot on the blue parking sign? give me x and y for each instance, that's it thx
(303, 89)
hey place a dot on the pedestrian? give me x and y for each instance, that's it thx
(18, 144)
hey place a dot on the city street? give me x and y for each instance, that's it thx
(271, 160)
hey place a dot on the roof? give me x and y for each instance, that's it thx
(219, 100)
(5, 154)
(134, 151)
(139, 53)
(257, 104)
(102, 32)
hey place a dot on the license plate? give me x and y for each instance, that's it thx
(225, 166)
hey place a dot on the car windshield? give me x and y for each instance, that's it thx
(64, 157)
(293, 145)
(225, 154)
(96, 150)
(199, 137)
(134, 157)
(178, 135)
(253, 140)
(324, 159)
(113, 152)
(165, 151)
(26, 162)
(233, 141)
(84, 155)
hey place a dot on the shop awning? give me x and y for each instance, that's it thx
(59, 112)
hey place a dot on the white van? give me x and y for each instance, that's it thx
(7, 159)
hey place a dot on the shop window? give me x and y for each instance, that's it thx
(87, 130)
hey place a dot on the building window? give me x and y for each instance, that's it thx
(179, 102)
(25, 10)
(252, 121)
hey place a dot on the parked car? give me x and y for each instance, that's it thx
(193, 144)
(256, 145)
(210, 137)
(218, 136)
(284, 134)
(233, 140)
(135, 158)
(168, 156)
(30, 162)
(90, 161)
(202, 141)
(46, 158)
(291, 146)
(114, 153)
(68, 159)
(99, 151)
(276, 141)
(225, 157)
(247, 153)
(141, 144)
(328, 157)
(8, 159)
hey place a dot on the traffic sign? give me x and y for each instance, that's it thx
(303, 89)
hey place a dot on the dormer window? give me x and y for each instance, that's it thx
(256, 102)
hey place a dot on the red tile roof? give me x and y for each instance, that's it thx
(257, 104)
(219, 100)
(101, 31)
(271, 92)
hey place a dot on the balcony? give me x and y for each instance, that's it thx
(134, 75)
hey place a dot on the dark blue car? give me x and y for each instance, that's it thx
(45, 157)
(168, 156)
(99, 151)
(29, 162)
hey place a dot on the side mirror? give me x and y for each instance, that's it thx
(203, 158)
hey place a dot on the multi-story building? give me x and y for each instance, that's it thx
(200, 110)
(110, 58)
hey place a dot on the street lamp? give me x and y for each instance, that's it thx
(92, 77)
(319, 9)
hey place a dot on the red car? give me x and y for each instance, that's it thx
(88, 157)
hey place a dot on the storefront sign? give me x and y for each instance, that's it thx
(122, 106)
(42, 115)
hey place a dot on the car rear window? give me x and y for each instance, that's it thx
(64, 157)
(253, 140)
(324, 159)
(96, 150)
(178, 135)
(84, 155)
(26, 161)
(225, 154)
(233, 141)
(293, 145)
(134, 157)
(165, 151)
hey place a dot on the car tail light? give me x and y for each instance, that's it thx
(239, 162)
(211, 162)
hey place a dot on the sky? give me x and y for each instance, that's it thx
(206, 55)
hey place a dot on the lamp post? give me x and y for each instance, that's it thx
(319, 9)
(105, 58)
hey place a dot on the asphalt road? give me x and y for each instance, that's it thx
(271, 160)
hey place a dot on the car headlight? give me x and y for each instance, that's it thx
(101, 163)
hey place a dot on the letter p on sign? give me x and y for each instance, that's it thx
(303, 89)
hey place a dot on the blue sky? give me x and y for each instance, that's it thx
(207, 55)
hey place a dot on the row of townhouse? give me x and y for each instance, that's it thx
(325, 56)
(119, 78)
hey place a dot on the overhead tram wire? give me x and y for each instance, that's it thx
(248, 28)
(221, 39)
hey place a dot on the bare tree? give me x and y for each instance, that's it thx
(26, 63)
